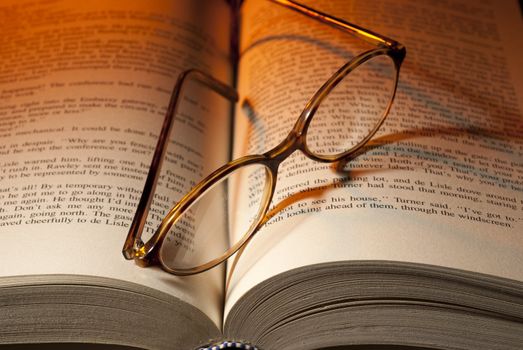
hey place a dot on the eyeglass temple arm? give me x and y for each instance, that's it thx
(133, 240)
(365, 34)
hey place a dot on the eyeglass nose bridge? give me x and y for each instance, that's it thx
(282, 151)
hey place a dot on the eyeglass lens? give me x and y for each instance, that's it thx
(353, 108)
(197, 237)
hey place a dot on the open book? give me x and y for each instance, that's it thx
(417, 241)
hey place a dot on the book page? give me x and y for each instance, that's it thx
(84, 89)
(442, 181)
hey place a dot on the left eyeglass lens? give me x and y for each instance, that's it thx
(353, 108)
(218, 219)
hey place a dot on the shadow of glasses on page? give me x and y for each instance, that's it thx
(346, 176)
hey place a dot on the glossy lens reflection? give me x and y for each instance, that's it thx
(353, 108)
(220, 218)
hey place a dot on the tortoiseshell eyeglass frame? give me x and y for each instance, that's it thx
(147, 253)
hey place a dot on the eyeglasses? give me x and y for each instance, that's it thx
(231, 203)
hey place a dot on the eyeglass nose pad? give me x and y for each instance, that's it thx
(339, 166)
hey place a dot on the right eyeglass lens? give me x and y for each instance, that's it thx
(353, 108)
(218, 219)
